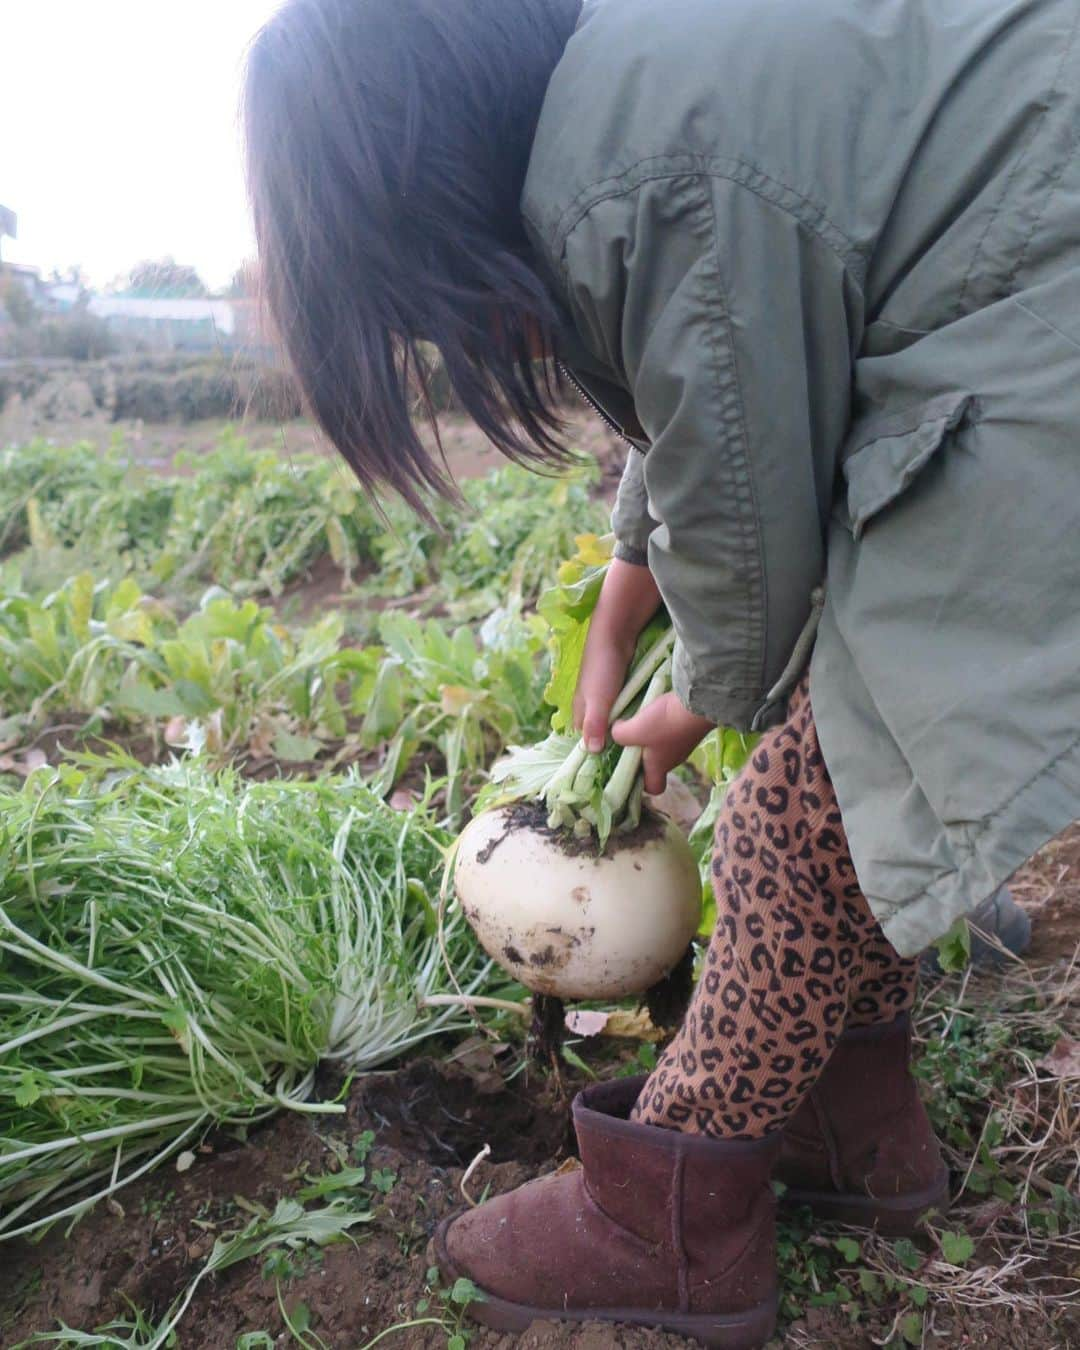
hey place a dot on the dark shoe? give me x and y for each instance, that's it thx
(998, 922)
(656, 1228)
(861, 1149)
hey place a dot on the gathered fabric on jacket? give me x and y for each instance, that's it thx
(820, 260)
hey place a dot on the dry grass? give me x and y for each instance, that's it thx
(1002, 1268)
(1014, 1141)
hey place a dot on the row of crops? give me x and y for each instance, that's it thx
(136, 602)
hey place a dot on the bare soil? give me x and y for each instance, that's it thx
(430, 1119)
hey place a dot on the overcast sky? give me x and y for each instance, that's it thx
(119, 137)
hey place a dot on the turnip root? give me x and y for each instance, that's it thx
(569, 922)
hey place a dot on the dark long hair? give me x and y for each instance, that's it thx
(387, 147)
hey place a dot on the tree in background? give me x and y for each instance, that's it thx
(245, 282)
(72, 334)
(17, 302)
(71, 276)
(163, 279)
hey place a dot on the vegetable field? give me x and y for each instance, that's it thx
(250, 1050)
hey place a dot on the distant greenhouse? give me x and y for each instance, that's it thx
(173, 325)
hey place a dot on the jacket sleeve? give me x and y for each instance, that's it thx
(729, 320)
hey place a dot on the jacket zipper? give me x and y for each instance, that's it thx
(601, 412)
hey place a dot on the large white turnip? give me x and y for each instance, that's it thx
(569, 921)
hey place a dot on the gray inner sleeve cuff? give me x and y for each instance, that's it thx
(627, 553)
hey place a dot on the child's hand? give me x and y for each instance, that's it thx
(627, 602)
(667, 732)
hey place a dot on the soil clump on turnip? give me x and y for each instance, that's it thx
(533, 816)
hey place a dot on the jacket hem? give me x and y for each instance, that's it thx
(1046, 805)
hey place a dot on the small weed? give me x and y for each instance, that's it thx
(154, 1206)
(284, 1265)
(255, 1340)
(362, 1145)
(298, 1323)
(383, 1180)
(644, 1061)
(454, 1304)
(440, 1307)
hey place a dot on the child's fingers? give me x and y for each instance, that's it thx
(601, 679)
(642, 730)
(656, 773)
(594, 726)
(639, 729)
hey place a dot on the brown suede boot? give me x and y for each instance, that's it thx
(655, 1228)
(861, 1149)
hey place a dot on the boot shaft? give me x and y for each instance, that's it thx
(702, 1201)
(863, 1128)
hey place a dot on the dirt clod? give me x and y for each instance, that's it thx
(533, 816)
(669, 999)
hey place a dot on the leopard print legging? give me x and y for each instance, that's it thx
(795, 958)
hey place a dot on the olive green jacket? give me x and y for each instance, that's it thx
(820, 259)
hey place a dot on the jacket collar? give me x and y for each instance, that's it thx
(601, 386)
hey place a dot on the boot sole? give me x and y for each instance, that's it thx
(892, 1216)
(720, 1331)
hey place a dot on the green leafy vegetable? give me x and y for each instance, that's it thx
(568, 609)
(179, 948)
(719, 759)
(583, 792)
(954, 949)
(601, 793)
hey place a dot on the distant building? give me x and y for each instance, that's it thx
(50, 297)
(172, 325)
(62, 296)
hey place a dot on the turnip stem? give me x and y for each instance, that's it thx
(564, 779)
(586, 776)
(653, 659)
(570, 781)
(621, 783)
(633, 809)
(578, 772)
(560, 818)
